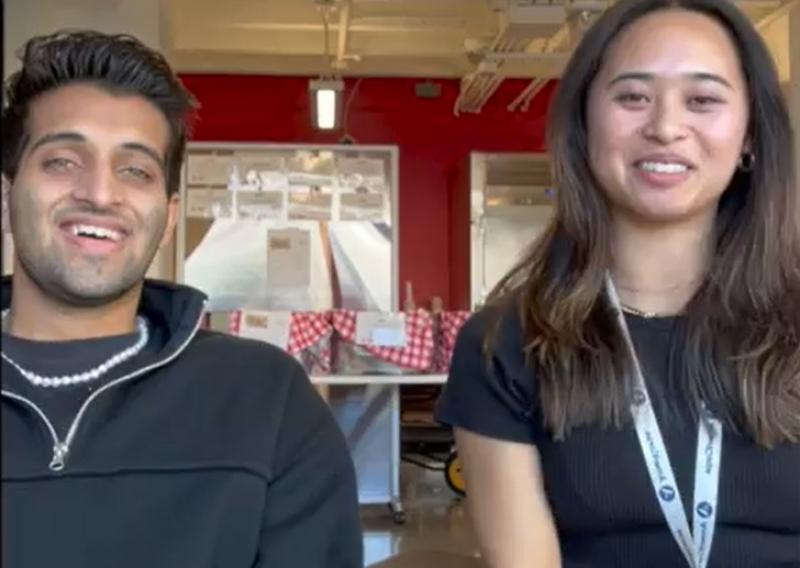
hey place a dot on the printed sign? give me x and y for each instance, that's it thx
(208, 169)
(314, 205)
(288, 258)
(379, 329)
(361, 207)
(271, 327)
(260, 204)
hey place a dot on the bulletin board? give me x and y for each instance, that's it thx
(290, 227)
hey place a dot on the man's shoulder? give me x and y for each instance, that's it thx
(225, 342)
(241, 361)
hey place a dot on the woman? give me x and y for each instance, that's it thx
(656, 325)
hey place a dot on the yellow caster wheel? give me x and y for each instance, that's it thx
(453, 475)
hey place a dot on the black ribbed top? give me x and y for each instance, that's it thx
(596, 481)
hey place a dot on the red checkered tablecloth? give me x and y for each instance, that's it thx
(418, 351)
(450, 324)
(306, 330)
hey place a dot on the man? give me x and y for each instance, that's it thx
(131, 438)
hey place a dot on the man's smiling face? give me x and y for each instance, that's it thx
(88, 205)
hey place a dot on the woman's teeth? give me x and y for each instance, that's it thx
(663, 167)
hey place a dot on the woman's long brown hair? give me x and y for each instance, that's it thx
(742, 341)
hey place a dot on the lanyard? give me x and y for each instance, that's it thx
(695, 544)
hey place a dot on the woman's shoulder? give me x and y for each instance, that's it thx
(490, 388)
(496, 329)
(492, 344)
(499, 322)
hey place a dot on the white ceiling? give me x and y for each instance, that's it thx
(435, 38)
(384, 37)
(482, 42)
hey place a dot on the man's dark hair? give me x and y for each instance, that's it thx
(119, 64)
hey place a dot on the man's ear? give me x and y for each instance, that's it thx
(173, 212)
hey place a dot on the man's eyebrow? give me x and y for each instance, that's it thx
(147, 150)
(648, 77)
(52, 137)
(70, 136)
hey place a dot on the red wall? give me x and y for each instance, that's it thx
(434, 145)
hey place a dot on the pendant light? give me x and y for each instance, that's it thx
(326, 103)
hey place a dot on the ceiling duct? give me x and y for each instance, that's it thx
(521, 27)
(581, 14)
(523, 24)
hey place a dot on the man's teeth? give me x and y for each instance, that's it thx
(663, 168)
(96, 232)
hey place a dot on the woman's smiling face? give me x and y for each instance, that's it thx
(667, 117)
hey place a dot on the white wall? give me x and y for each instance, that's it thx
(27, 18)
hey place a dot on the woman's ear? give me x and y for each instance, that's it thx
(747, 145)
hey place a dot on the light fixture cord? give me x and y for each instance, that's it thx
(326, 26)
(348, 104)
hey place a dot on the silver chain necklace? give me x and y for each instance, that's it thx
(92, 374)
(640, 313)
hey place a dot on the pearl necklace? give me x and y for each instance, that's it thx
(92, 374)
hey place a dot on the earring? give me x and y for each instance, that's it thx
(747, 161)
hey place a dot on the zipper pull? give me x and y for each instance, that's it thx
(60, 452)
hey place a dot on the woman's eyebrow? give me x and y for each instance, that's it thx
(649, 77)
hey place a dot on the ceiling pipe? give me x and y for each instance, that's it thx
(345, 9)
(525, 97)
(532, 95)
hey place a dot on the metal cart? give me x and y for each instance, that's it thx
(367, 409)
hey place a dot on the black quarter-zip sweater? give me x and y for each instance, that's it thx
(209, 451)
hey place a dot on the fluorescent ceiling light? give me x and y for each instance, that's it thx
(326, 109)
(326, 103)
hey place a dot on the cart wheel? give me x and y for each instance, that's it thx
(398, 514)
(453, 476)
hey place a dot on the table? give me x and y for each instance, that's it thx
(367, 408)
